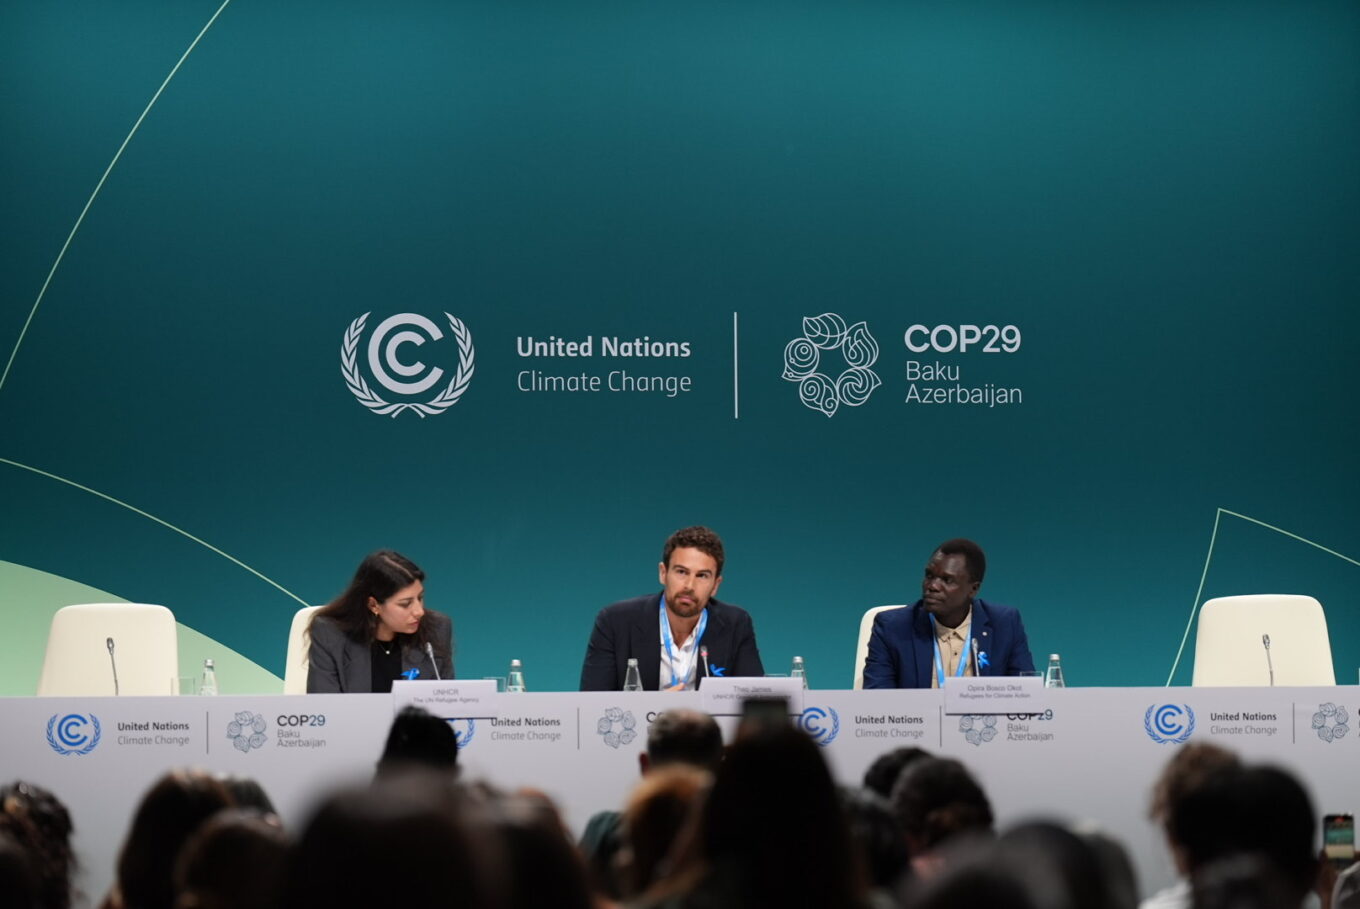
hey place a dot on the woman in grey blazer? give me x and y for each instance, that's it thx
(378, 631)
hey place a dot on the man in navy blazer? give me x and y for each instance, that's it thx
(679, 635)
(949, 631)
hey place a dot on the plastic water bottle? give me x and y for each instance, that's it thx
(1053, 678)
(632, 679)
(514, 682)
(799, 670)
(208, 683)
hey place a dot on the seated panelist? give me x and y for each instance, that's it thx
(950, 631)
(378, 631)
(679, 635)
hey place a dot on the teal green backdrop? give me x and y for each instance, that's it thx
(1160, 198)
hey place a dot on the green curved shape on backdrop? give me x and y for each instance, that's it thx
(29, 598)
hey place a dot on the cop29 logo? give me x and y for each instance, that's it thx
(246, 731)
(1331, 722)
(977, 728)
(1169, 724)
(822, 724)
(410, 379)
(617, 727)
(828, 334)
(74, 733)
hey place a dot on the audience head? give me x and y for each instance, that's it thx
(1072, 869)
(1188, 769)
(979, 878)
(18, 879)
(236, 859)
(419, 739)
(247, 793)
(1255, 811)
(886, 768)
(936, 799)
(170, 812)
(1242, 882)
(398, 841)
(658, 809)
(876, 837)
(541, 864)
(684, 737)
(773, 809)
(40, 823)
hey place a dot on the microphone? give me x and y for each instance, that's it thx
(108, 642)
(977, 669)
(429, 651)
(703, 654)
(1270, 664)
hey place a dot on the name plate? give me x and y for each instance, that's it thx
(721, 696)
(474, 699)
(995, 694)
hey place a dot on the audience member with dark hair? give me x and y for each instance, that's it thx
(399, 842)
(1189, 768)
(247, 794)
(887, 767)
(976, 877)
(1258, 811)
(236, 859)
(18, 879)
(170, 812)
(541, 867)
(770, 834)
(683, 737)
(1242, 881)
(879, 847)
(419, 739)
(39, 822)
(676, 737)
(936, 800)
(1073, 868)
(657, 811)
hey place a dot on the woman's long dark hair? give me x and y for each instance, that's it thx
(380, 575)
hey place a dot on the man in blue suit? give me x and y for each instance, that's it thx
(950, 631)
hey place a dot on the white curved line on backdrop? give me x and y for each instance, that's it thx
(1194, 610)
(81, 220)
(135, 510)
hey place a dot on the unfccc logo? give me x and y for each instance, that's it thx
(384, 347)
(822, 724)
(74, 733)
(1169, 724)
(803, 363)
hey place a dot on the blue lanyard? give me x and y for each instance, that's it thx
(939, 661)
(666, 638)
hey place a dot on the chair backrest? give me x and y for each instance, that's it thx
(145, 651)
(866, 627)
(1229, 649)
(299, 644)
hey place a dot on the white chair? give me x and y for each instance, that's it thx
(92, 643)
(1230, 648)
(299, 645)
(866, 627)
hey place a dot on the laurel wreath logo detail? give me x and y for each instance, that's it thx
(803, 359)
(59, 736)
(354, 380)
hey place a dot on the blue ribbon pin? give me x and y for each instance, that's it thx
(410, 674)
(720, 671)
(982, 659)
